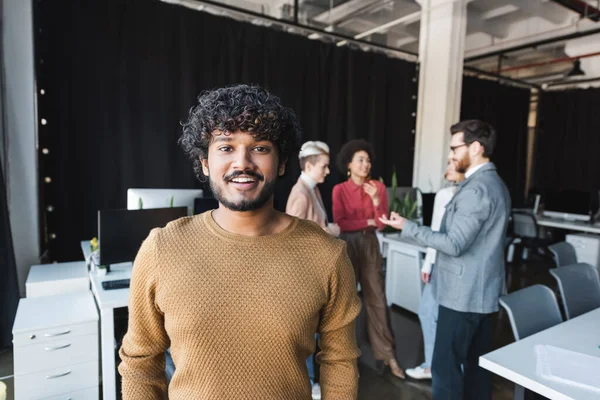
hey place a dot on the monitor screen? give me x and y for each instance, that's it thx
(142, 199)
(121, 232)
(428, 201)
(204, 204)
(574, 202)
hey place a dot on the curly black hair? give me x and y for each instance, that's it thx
(246, 108)
(349, 149)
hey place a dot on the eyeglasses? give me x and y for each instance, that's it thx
(453, 148)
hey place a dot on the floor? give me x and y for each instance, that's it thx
(375, 385)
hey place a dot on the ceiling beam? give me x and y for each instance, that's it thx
(476, 23)
(336, 14)
(549, 11)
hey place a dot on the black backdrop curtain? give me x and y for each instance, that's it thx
(119, 75)
(507, 109)
(567, 145)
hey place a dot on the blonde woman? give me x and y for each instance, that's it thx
(305, 202)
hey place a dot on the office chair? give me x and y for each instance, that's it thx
(579, 288)
(563, 253)
(530, 310)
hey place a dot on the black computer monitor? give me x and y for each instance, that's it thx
(121, 232)
(203, 204)
(568, 204)
(428, 200)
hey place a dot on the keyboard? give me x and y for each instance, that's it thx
(116, 284)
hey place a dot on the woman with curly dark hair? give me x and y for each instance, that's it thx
(357, 205)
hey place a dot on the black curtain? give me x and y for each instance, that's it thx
(9, 287)
(119, 75)
(507, 109)
(567, 142)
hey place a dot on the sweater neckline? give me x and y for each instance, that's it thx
(236, 237)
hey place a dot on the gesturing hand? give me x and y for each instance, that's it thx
(371, 190)
(395, 220)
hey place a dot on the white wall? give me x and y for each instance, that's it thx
(21, 173)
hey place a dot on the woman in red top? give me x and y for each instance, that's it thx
(357, 205)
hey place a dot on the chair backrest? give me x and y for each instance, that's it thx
(579, 287)
(524, 225)
(563, 254)
(531, 310)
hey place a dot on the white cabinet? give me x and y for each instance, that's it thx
(403, 285)
(51, 279)
(587, 248)
(56, 347)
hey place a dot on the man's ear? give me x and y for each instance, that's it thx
(204, 166)
(282, 167)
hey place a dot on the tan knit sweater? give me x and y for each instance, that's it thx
(240, 314)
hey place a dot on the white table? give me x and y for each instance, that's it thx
(403, 285)
(107, 301)
(568, 225)
(517, 361)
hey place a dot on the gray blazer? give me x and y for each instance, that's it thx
(469, 270)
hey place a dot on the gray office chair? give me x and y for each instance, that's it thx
(563, 254)
(530, 311)
(526, 230)
(579, 287)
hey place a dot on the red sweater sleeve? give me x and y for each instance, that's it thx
(383, 207)
(340, 214)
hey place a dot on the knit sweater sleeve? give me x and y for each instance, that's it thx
(339, 351)
(144, 345)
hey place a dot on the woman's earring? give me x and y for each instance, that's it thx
(348, 173)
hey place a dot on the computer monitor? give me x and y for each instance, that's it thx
(203, 204)
(568, 204)
(428, 201)
(121, 232)
(160, 198)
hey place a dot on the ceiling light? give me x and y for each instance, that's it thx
(576, 70)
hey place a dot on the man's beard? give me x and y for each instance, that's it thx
(463, 164)
(246, 204)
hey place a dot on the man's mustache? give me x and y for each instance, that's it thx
(258, 176)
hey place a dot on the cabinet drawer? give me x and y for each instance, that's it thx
(86, 394)
(54, 354)
(64, 332)
(56, 381)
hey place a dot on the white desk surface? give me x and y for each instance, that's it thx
(517, 361)
(392, 238)
(57, 272)
(111, 298)
(108, 299)
(569, 225)
(53, 311)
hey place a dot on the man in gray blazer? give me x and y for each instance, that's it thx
(468, 276)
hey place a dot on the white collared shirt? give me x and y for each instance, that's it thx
(474, 169)
(442, 198)
(310, 182)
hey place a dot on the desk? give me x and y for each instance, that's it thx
(403, 285)
(517, 361)
(107, 301)
(568, 225)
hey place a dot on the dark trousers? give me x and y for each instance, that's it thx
(364, 253)
(460, 339)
